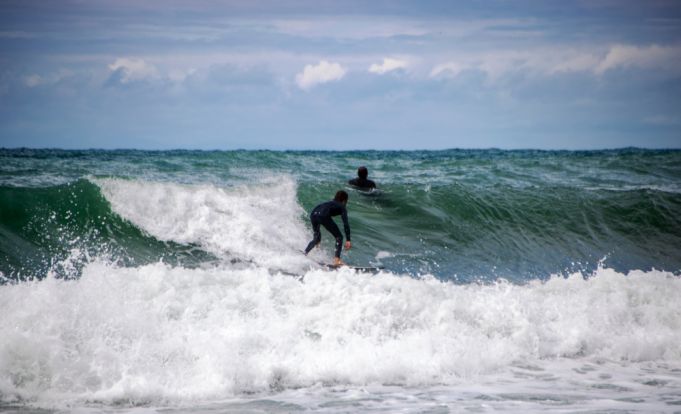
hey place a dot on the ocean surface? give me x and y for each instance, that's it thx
(173, 281)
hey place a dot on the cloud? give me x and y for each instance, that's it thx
(33, 80)
(388, 65)
(358, 28)
(323, 72)
(127, 70)
(573, 62)
(180, 75)
(663, 120)
(451, 69)
(650, 57)
(16, 35)
(494, 64)
(545, 62)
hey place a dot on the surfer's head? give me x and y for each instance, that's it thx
(362, 172)
(341, 196)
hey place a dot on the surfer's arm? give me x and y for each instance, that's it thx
(346, 225)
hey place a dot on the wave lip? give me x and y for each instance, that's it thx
(257, 222)
(160, 333)
(58, 229)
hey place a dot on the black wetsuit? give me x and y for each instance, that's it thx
(321, 215)
(363, 183)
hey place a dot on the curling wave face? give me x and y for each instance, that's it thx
(252, 223)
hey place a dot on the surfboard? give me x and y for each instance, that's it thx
(371, 192)
(360, 269)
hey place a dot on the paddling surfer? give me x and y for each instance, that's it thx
(321, 216)
(362, 182)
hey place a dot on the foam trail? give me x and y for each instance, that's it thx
(156, 333)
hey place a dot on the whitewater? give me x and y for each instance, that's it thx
(146, 282)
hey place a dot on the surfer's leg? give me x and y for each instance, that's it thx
(331, 226)
(317, 236)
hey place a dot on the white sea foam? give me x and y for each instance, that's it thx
(383, 255)
(260, 222)
(163, 334)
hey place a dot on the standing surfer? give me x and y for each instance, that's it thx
(321, 216)
(362, 182)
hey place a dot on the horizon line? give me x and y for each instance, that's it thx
(343, 150)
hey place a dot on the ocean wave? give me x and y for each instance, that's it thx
(472, 215)
(671, 189)
(259, 222)
(58, 229)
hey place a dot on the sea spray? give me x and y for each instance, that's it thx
(256, 222)
(163, 333)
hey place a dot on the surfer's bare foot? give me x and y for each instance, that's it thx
(338, 262)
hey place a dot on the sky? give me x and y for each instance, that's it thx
(340, 75)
